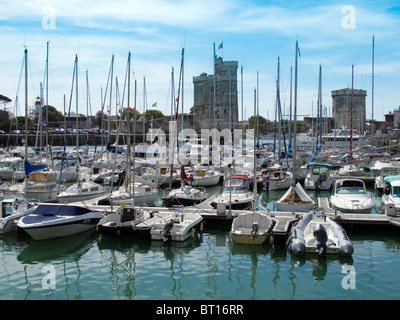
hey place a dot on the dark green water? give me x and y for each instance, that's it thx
(88, 266)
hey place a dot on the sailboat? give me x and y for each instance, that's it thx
(295, 199)
(251, 227)
(81, 190)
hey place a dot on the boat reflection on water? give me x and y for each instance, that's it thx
(70, 248)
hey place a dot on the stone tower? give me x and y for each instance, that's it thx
(225, 114)
(341, 108)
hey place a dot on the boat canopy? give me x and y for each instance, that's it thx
(60, 210)
(327, 165)
(393, 180)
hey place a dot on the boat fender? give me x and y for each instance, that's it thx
(167, 230)
(254, 230)
(321, 236)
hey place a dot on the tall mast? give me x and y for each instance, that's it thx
(26, 104)
(128, 149)
(215, 89)
(295, 117)
(351, 112)
(255, 202)
(372, 96)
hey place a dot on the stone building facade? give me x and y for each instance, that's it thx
(225, 114)
(344, 103)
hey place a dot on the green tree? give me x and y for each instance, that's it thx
(55, 117)
(155, 113)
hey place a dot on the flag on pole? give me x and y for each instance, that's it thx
(221, 46)
(154, 104)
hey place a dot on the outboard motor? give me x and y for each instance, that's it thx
(254, 230)
(167, 230)
(318, 183)
(322, 238)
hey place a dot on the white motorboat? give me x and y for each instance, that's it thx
(251, 228)
(315, 232)
(295, 200)
(41, 186)
(319, 177)
(380, 184)
(281, 179)
(49, 221)
(236, 193)
(354, 170)
(351, 196)
(176, 226)
(9, 165)
(123, 222)
(391, 201)
(81, 191)
(12, 209)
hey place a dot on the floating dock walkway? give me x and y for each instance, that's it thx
(282, 220)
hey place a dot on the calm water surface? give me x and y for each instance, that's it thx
(89, 266)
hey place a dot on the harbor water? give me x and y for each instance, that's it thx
(209, 266)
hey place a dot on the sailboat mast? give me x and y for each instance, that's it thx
(372, 96)
(128, 149)
(295, 117)
(351, 112)
(255, 202)
(26, 104)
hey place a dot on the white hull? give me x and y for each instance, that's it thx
(42, 196)
(182, 229)
(243, 228)
(43, 233)
(79, 197)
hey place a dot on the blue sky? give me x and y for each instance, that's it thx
(255, 33)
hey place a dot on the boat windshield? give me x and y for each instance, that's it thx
(350, 190)
(396, 192)
(235, 189)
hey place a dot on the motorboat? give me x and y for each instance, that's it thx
(380, 184)
(351, 196)
(295, 200)
(317, 233)
(81, 191)
(49, 221)
(41, 186)
(9, 165)
(176, 226)
(319, 177)
(391, 201)
(13, 208)
(236, 193)
(123, 222)
(354, 170)
(251, 228)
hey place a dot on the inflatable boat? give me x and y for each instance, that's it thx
(315, 232)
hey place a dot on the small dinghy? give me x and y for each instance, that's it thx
(315, 232)
(251, 228)
(123, 222)
(177, 226)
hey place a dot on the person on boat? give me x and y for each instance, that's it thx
(265, 178)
